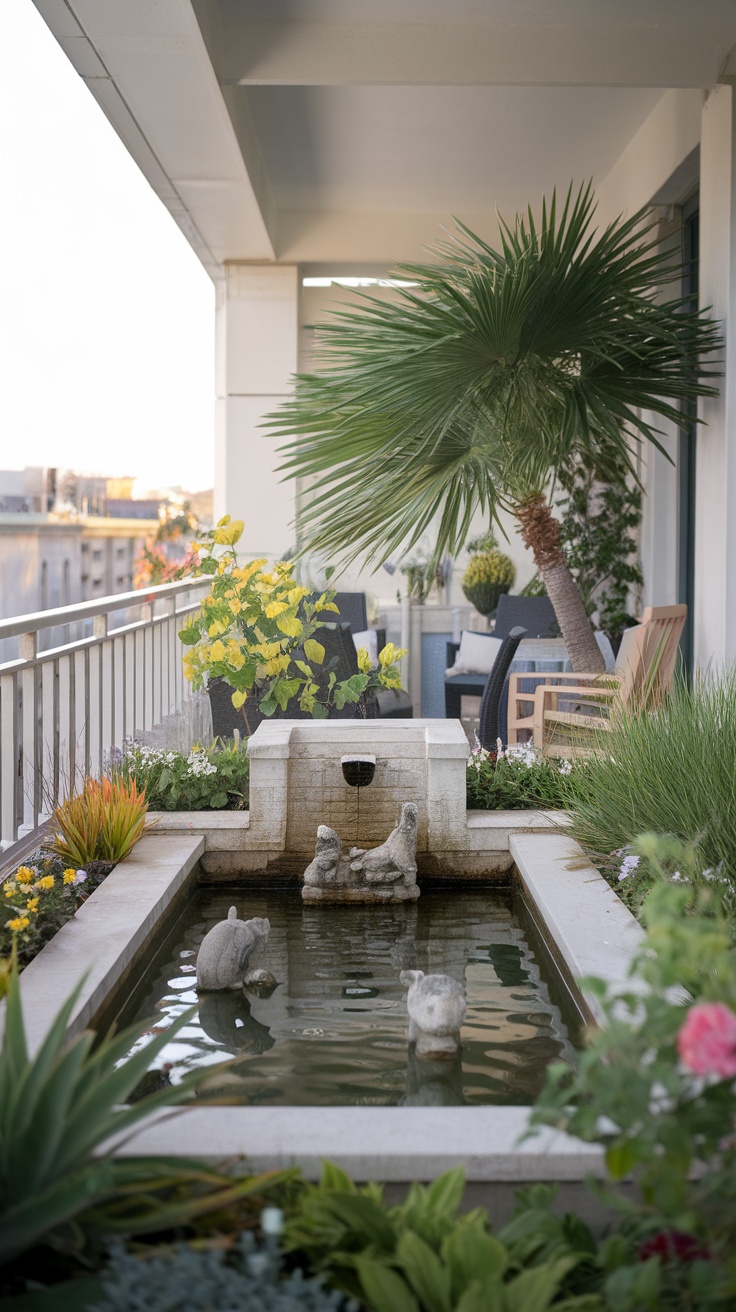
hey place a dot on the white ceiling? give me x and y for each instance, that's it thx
(318, 130)
(437, 148)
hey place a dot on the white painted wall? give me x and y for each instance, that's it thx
(715, 530)
(256, 356)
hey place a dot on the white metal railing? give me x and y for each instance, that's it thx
(65, 710)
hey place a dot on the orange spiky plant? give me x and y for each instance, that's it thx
(103, 822)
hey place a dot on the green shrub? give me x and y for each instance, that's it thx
(516, 780)
(420, 1256)
(655, 1087)
(671, 771)
(212, 778)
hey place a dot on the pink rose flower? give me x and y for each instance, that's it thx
(707, 1041)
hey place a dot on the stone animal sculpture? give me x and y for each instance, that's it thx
(324, 869)
(381, 874)
(394, 859)
(436, 1006)
(222, 961)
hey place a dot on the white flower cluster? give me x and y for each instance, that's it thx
(199, 764)
(519, 753)
(141, 754)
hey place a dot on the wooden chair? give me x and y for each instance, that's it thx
(644, 670)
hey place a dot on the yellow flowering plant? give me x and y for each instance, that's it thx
(36, 900)
(258, 629)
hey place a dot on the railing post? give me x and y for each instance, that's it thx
(31, 772)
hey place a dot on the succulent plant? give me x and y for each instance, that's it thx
(184, 1279)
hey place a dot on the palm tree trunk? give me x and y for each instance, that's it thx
(540, 532)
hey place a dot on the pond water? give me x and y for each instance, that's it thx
(333, 1032)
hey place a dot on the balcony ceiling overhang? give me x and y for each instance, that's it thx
(349, 130)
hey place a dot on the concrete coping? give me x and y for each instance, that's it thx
(444, 738)
(205, 822)
(106, 934)
(394, 1144)
(520, 820)
(590, 930)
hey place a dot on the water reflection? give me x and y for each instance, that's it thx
(432, 1083)
(334, 1030)
(227, 1019)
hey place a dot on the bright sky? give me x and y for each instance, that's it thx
(106, 315)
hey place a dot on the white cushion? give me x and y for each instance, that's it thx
(368, 638)
(477, 654)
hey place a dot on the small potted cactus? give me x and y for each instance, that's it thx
(489, 573)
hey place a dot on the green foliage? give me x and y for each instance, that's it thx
(102, 822)
(259, 629)
(210, 778)
(516, 779)
(669, 772)
(639, 1090)
(599, 530)
(58, 1106)
(471, 389)
(420, 1256)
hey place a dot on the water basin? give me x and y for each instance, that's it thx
(333, 1033)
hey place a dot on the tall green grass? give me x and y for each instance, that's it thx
(672, 771)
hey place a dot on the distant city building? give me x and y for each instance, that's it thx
(128, 508)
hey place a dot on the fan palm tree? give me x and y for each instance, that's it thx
(496, 369)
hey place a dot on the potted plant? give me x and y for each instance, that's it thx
(489, 573)
(263, 634)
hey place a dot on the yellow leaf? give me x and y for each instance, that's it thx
(248, 571)
(314, 651)
(222, 522)
(239, 699)
(229, 534)
(217, 651)
(290, 625)
(275, 608)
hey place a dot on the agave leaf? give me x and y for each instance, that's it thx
(26, 1221)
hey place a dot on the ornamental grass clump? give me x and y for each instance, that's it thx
(103, 822)
(671, 771)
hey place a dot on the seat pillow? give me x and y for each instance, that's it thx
(476, 655)
(368, 639)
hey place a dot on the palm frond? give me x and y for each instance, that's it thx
(471, 388)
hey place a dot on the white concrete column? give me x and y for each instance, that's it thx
(715, 526)
(256, 357)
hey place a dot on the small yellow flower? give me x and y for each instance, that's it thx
(19, 923)
(24, 874)
(364, 660)
(217, 651)
(10, 892)
(69, 876)
(32, 904)
(46, 882)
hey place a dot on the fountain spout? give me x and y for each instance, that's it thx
(358, 771)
